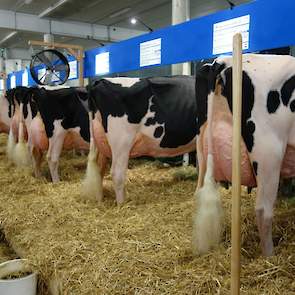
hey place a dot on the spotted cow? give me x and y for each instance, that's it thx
(268, 129)
(151, 116)
(55, 120)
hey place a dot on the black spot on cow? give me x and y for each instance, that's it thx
(175, 107)
(273, 101)
(255, 167)
(158, 131)
(292, 106)
(115, 100)
(150, 121)
(18, 94)
(248, 127)
(287, 90)
(62, 104)
(251, 127)
(171, 99)
(153, 108)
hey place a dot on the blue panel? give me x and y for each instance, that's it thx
(272, 24)
(18, 76)
(270, 27)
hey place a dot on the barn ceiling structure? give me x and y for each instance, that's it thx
(88, 23)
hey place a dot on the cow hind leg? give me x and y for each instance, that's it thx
(118, 171)
(91, 187)
(37, 159)
(120, 156)
(268, 177)
(207, 223)
(53, 155)
(268, 183)
(102, 163)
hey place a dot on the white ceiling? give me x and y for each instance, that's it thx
(155, 13)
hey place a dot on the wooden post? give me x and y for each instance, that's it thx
(236, 166)
(81, 68)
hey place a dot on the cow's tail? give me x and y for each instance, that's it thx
(10, 144)
(207, 223)
(92, 183)
(21, 155)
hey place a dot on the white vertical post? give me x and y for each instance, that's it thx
(180, 14)
(236, 166)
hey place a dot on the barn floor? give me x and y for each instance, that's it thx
(143, 247)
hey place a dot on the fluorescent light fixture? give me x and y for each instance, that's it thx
(10, 35)
(52, 8)
(133, 20)
(120, 12)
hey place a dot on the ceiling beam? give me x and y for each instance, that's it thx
(32, 23)
(18, 53)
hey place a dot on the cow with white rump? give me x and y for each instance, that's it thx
(151, 116)
(268, 145)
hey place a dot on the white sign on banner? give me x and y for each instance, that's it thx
(223, 33)
(25, 78)
(102, 63)
(73, 69)
(12, 81)
(1, 84)
(150, 52)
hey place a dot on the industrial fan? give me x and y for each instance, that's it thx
(49, 67)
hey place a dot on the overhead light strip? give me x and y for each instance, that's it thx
(52, 8)
(10, 35)
(120, 12)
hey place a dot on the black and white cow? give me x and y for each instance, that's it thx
(268, 131)
(151, 116)
(54, 119)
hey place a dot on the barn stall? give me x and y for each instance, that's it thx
(142, 247)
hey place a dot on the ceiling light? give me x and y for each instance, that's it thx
(120, 12)
(51, 8)
(134, 20)
(10, 35)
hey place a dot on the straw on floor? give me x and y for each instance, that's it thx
(143, 247)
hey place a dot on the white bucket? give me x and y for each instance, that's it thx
(25, 285)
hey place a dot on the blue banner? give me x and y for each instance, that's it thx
(267, 24)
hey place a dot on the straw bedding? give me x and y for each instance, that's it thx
(143, 247)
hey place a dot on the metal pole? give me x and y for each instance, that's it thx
(180, 14)
(236, 166)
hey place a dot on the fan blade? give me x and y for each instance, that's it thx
(60, 67)
(57, 75)
(44, 59)
(48, 79)
(41, 79)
